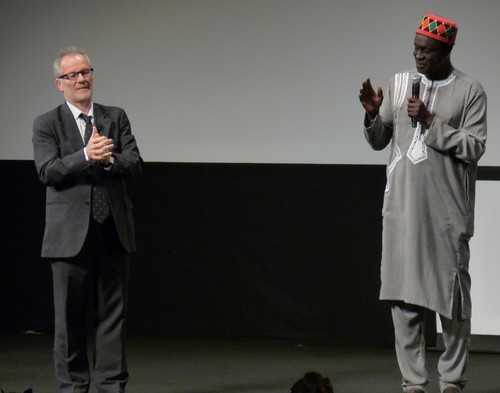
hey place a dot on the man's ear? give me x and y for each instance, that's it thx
(58, 85)
(450, 48)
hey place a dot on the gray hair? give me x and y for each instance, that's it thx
(70, 50)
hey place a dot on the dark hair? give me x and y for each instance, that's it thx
(312, 382)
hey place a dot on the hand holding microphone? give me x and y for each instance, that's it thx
(416, 108)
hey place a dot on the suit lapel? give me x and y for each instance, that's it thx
(102, 121)
(70, 128)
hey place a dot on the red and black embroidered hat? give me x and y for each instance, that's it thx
(438, 28)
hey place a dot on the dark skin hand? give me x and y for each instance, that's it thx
(418, 110)
(370, 100)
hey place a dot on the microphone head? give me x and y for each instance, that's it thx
(415, 85)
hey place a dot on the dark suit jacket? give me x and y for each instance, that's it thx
(62, 167)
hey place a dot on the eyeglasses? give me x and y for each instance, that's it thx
(73, 76)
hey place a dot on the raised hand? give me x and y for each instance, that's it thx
(370, 99)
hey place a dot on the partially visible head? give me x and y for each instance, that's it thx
(312, 382)
(74, 76)
(434, 40)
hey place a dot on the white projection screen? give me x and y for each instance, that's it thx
(273, 81)
(248, 81)
(484, 266)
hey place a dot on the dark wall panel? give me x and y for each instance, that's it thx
(226, 250)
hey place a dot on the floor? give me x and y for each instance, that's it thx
(160, 365)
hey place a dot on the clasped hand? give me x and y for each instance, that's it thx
(99, 148)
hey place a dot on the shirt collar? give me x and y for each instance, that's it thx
(76, 112)
(438, 83)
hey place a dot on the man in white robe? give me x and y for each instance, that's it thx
(436, 140)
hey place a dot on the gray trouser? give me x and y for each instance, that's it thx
(97, 280)
(410, 348)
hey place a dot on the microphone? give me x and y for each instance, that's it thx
(415, 93)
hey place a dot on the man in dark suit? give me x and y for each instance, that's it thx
(85, 155)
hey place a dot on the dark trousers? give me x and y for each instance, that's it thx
(90, 306)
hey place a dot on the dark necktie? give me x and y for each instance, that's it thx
(88, 128)
(100, 204)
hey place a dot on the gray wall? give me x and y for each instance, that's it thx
(233, 80)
